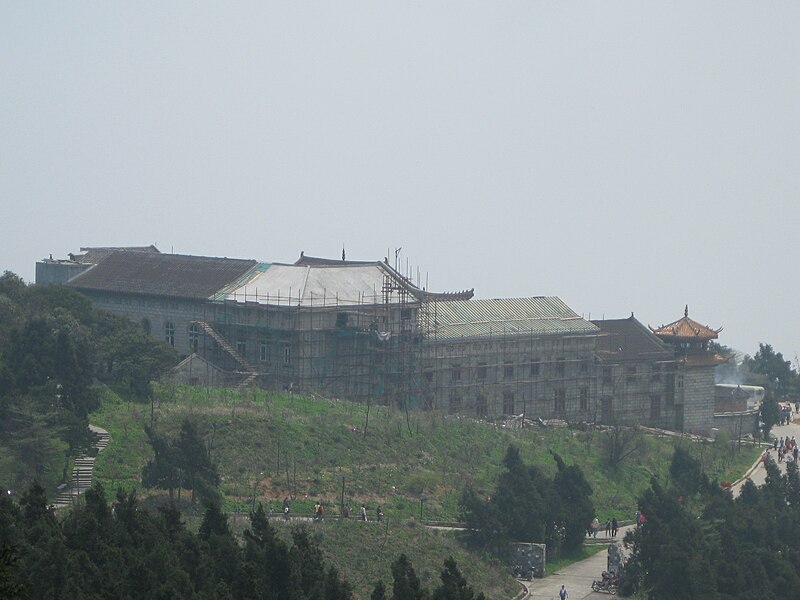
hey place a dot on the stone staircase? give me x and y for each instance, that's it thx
(248, 371)
(68, 493)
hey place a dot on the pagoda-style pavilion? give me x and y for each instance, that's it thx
(687, 334)
(694, 394)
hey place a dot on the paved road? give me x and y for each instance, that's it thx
(577, 577)
(759, 473)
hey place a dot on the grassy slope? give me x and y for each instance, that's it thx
(255, 435)
(344, 544)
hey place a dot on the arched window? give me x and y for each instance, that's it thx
(146, 326)
(169, 333)
(194, 337)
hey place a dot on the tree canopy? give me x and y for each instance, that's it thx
(527, 506)
(698, 542)
(54, 349)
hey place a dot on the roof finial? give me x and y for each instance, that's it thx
(686, 311)
(342, 252)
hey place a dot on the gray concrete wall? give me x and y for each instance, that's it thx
(698, 398)
(58, 272)
(637, 393)
(511, 375)
(736, 423)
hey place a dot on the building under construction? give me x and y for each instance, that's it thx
(363, 331)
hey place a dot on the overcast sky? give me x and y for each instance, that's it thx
(624, 156)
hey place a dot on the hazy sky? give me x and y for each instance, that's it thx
(625, 156)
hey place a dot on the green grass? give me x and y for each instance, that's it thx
(280, 445)
(275, 445)
(363, 552)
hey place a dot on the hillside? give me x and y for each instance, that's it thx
(269, 446)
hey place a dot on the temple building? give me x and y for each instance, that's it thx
(364, 331)
(694, 389)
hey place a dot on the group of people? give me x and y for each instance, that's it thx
(611, 528)
(318, 511)
(362, 513)
(786, 414)
(785, 447)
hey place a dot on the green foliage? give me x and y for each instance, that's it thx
(454, 585)
(277, 445)
(379, 593)
(777, 372)
(620, 444)
(686, 474)
(184, 462)
(124, 551)
(527, 506)
(406, 584)
(770, 414)
(53, 348)
(719, 547)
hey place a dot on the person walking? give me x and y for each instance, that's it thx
(363, 512)
(563, 594)
(614, 527)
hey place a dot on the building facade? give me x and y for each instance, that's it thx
(361, 330)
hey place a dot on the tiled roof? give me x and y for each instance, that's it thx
(628, 339)
(93, 255)
(686, 328)
(540, 315)
(173, 275)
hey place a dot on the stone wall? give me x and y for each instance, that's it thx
(698, 398)
(542, 376)
(738, 423)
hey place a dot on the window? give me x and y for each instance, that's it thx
(455, 373)
(264, 351)
(655, 406)
(341, 319)
(481, 371)
(169, 333)
(455, 404)
(481, 406)
(584, 367)
(287, 354)
(584, 397)
(630, 374)
(561, 367)
(146, 326)
(194, 337)
(405, 314)
(508, 403)
(428, 376)
(560, 403)
(508, 370)
(534, 367)
(241, 347)
(608, 375)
